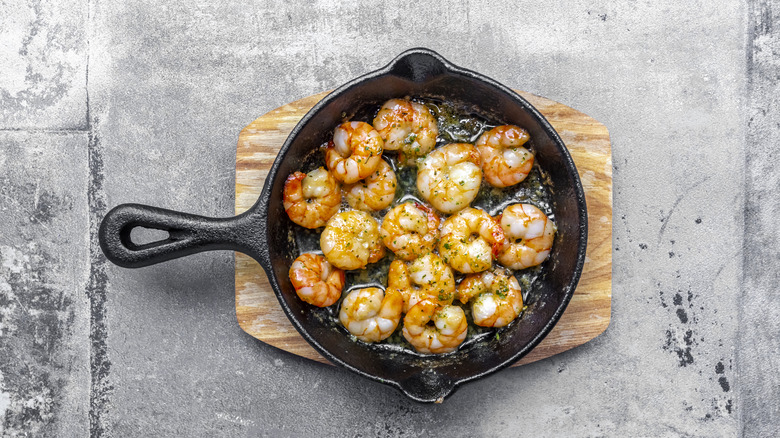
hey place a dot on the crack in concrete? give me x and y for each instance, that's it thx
(100, 365)
(676, 203)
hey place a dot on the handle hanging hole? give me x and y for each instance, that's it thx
(143, 236)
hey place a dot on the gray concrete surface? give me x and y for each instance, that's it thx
(103, 102)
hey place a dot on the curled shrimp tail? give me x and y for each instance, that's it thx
(391, 303)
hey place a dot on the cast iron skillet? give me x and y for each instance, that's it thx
(262, 232)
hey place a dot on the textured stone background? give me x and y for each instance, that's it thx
(103, 102)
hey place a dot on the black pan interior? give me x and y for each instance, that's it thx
(427, 378)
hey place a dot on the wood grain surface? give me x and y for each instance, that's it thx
(588, 313)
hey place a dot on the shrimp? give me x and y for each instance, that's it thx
(505, 161)
(398, 280)
(410, 230)
(370, 313)
(434, 277)
(351, 240)
(469, 240)
(426, 278)
(499, 299)
(311, 199)
(408, 127)
(355, 152)
(529, 236)
(447, 332)
(315, 280)
(449, 177)
(374, 193)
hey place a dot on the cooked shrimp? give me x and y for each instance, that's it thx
(450, 176)
(499, 298)
(529, 236)
(410, 230)
(469, 240)
(374, 193)
(408, 127)
(371, 314)
(315, 280)
(398, 280)
(505, 161)
(351, 240)
(355, 152)
(448, 330)
(426, 278)
(311, 199)
(434, 277)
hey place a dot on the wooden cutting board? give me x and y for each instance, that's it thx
(588, 313)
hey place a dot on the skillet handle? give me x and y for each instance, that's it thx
(188, 234)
